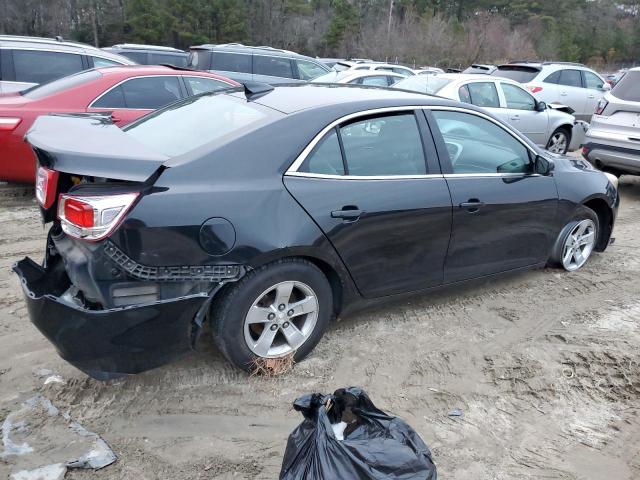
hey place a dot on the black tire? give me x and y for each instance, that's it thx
(230, 309)
(581, 213)
(567, 134)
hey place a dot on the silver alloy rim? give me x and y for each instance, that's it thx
(281, 319)
(558, 143)
(578, 245)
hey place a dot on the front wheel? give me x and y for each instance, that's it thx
(577, 240)
(559, 142)
(278, 310)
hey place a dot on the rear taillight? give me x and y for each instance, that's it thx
(46, 184)
(9, 123)
(602, 104)
(534, 89)
(93, 217)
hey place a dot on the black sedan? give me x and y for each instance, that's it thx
(269, 211)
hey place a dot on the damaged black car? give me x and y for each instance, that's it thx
(268, 211)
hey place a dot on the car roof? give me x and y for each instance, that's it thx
(160, 70)
(240, 48)
(59, 45)
(291, 98)
(380, 64)
(138, 46)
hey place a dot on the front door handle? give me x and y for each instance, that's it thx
(515, 118)
(473, 205)
(347, 213)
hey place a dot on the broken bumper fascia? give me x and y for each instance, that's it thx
(112, 342)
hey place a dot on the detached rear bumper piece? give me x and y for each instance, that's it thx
(107, 343)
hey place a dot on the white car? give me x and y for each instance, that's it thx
(376, 78)
(505, 99)
(428, 70)
(387, 67)
(570, 84)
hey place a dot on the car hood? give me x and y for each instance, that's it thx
(93, 146)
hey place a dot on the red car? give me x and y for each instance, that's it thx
(126, 92)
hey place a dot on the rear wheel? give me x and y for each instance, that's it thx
(577, 240)
(277, 310)
(559, 141)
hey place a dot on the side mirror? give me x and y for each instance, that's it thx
(605, 87)
(541, 106)
(542, 165)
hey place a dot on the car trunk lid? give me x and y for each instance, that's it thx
(90, 145)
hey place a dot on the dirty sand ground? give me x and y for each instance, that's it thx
(544, 364)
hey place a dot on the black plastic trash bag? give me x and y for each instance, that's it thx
(375, 445)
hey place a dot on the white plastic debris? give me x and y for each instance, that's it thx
(38, 438)
(338, 430)
(54, 379)
(56, 471)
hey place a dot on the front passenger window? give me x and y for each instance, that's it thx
(479, 146)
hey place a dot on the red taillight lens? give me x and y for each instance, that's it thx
(602, 104)
(9, 123)
(78, 212)
(93, 217)
(46, 184)
(534, 89)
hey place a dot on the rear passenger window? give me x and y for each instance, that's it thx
(138, 57)
(161, 58)
(142, 93)
(39, 67)
(114, 98)
(272, 66)
(484, 94)
(553, 78)
(151, 92)
(231, 62)
(571, 78)
(388, 145)
(325, 158)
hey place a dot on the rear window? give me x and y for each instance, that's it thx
(231, 62)
(51, 88)
(517, 73)
(430, 84)
(194, 122)
(628, 88)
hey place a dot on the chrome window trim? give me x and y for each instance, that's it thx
(126, 80)
(293, 168)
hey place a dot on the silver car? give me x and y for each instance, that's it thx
(506, 99)
(612, 142)
(29, 61)
(375, 78)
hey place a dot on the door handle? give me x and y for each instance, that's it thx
(563, 94)
(348, 212)
(515, 118)
(472, 205)
(591, 96)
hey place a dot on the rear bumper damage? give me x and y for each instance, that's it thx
(108, 343)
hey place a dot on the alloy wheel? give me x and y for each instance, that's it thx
(578, 245)
(558, 143)
(281, 319)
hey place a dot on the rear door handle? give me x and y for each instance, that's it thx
(473, 205)
(564, 94)
(515, 118)
(591, 96)
(347, 213)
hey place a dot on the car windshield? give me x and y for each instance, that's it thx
(518, 73)
(628, 88)
(430, 84)
(191, 123)
(50, 88)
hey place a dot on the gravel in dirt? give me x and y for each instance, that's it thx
(543, 365)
